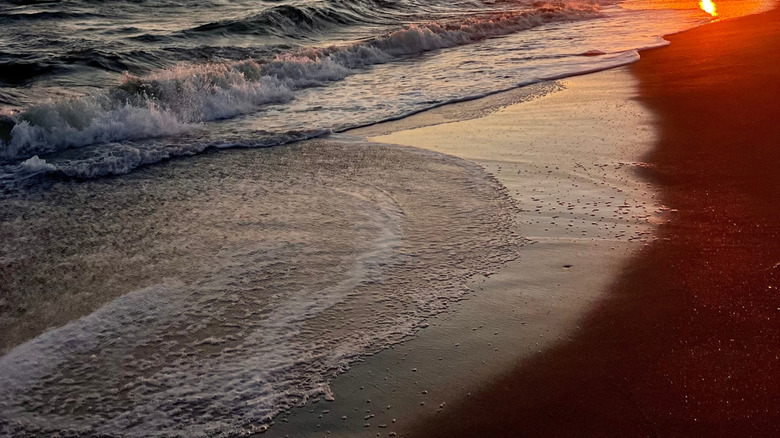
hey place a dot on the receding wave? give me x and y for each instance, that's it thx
(173, 101)
(262, 319)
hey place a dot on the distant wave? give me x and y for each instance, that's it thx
(45, 15)
(297, 21)
(172, 100)
(28, 2)
(284, 20)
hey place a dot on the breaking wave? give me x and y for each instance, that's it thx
(173, 101)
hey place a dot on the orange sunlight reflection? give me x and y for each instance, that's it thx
(708, 6)
(720, 9)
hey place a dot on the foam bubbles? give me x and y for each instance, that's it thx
(36, 165)
(204, 297)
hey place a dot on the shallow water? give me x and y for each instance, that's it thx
(215, 292)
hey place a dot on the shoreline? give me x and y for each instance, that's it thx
(686, 345)
(583, 207)
(521, 341)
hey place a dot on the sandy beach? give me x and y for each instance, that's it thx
(686, 343)
(660, 320)
(580, 255)
(568, 152)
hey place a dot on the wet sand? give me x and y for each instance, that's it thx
(687, 342)
(568, 153)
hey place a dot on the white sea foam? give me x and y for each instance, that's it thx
(36, 165)
(291, 264)
(273, 367)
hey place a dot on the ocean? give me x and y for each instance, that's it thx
(98, 88)
(174, 262)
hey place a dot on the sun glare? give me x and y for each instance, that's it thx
(708, 6)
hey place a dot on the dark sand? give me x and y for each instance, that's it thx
(689, 342)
